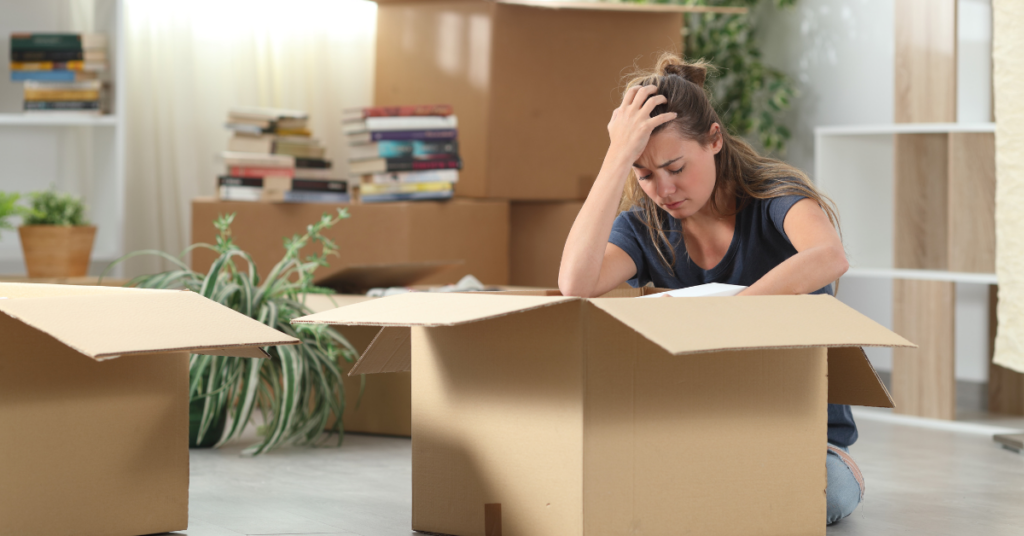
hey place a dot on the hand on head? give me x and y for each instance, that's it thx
(631, 124)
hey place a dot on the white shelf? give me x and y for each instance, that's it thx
(57, 119)
(922, 275)
(903, 128)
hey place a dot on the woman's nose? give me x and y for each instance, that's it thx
(665, 186)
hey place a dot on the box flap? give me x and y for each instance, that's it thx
(390, 351)
(694, 325)
(360, 278)
(104, 325)
(431, 309)
(853, 381)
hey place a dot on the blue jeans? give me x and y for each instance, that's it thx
(845, 484)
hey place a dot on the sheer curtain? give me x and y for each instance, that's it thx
(189, 61)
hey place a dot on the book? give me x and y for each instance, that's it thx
(75, 65)
(373, 188)
(358, 114)
(312, 162)
(251, 144)
(47, 55)
(423, 122)
(297, 184)
(247, 128)
(436, 175)
(61, 105)
(381, 165)
(82, 85)
(411, 196)
(299, 151)
(232, 158)
(254, 113)
(422, 149)
(60, 95)
(52, 76)
(293, 132)
(250, 193)
(57, 41)
(291, 123)
(318, 174)
(260, 172)
(362, 137)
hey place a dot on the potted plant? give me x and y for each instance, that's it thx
(300, 387)
(55, 237)
(8, 208)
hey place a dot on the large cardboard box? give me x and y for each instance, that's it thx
(533, 84)
(554, 416)
(472, 233)
(94, 404)
(538, 232)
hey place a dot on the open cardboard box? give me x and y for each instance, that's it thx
(544, 415)
(94, 404)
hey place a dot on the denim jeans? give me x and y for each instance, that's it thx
(845, 484)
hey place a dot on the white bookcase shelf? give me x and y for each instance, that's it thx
(76, 153)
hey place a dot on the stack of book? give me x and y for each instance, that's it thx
(273, 156)
(61, 71)
(402, 153)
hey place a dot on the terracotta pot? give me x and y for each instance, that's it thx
(57, 250)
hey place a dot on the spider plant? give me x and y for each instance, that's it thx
(300, 387)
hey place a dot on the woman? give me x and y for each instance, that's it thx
(701, 206)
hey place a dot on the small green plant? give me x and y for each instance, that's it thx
(8, 208)
(300, 387)
(50, 207)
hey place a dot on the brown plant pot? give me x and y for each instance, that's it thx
(57, 250)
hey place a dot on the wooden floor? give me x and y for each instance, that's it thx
(923, 477)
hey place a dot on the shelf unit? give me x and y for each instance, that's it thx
(81, 154)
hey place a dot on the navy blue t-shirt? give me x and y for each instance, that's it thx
(759, 244)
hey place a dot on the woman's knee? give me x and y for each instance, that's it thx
(843, 492)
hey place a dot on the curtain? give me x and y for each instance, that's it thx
(1008, 82)
(188, 62)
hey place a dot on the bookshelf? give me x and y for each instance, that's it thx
(75, 153)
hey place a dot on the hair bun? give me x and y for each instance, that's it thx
(695, 73)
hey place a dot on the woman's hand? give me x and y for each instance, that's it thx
(631, 124)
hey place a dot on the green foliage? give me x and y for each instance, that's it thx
(748, 95)
(52, 208)
(300, 387)
(8, 207)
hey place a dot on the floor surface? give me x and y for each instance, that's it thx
(923, 477)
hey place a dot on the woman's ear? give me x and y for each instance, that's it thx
(715, 133)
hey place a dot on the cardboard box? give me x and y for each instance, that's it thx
(548, 415)
(538, 232)
(94, 404)
(471, 232)
(386, 404)
(533, 87)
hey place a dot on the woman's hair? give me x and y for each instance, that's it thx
(740, 172)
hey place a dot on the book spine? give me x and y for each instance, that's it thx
(437, 175)
(431, 134)
(394, 149)
(260, 172)
(305, 185)
(62, 105)
(315, 163)
(46, 55)
(305, 196)
(59, 95)
(405, 164)
(48, 65)
(44, 76)
(411, 123)
(407, 111)
(44, 41)
(411, 196)
(432, 148)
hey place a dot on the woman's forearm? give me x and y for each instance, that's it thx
(803, 273)
(583, 254)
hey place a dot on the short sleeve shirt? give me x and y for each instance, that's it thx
(759, 244)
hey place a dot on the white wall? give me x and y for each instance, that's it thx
(841, 55)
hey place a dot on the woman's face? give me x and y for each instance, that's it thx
(678, 174)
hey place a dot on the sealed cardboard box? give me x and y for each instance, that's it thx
(538, 232)
(470, 233)
(94, 404)
(533, 84)
(543, 415)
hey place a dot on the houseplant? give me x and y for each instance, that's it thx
(300, 387)
(55, 237)
(8, 208)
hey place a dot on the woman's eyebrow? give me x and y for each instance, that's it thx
(666, 164)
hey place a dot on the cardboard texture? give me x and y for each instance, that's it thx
(497, 63)
(538, 234)
(604, 416)
(385, 404)
(126, 471)
(472, 232)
